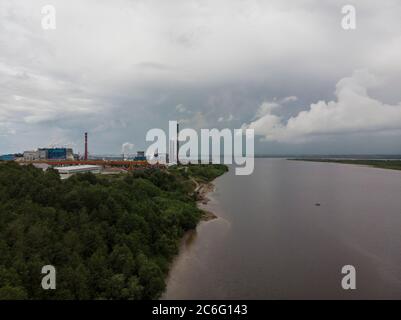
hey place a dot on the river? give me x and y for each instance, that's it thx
(272, 240)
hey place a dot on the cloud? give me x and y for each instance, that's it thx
(116, 73)
(354, 112)
(5, 130)
(28, 97)
(127, 148)
(266, 108)
(229, 118)
(289, 99)
(197, 121)
(181, 108)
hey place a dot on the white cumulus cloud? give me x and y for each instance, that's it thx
(353, 112)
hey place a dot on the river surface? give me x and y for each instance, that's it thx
(272, 240)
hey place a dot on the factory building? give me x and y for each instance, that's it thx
(59, 154)
(140, 156)
(42, 154)
(7, 157)
(49, 154)
(66, 172)
(31, 155)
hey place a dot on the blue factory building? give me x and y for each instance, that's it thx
(140, 156)
(7, 157)
(57, 154)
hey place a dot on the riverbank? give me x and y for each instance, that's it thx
(202, 200)
(202, 177)
(202, 185)
(383, 164)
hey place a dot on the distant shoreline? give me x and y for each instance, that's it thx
(334, 156)
(382, 164)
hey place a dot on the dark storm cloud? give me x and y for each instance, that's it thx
(118, 68)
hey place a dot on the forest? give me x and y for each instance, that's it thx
(109, 237)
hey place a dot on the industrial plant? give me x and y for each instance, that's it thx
(66, 162)
(41, 154)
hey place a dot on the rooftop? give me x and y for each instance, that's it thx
(78, 168)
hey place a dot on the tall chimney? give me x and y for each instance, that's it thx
(178, 142)
(86, 146)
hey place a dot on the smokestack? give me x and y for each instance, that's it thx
(86, 146)
(178, 143)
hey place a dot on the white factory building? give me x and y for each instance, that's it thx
(66, 172)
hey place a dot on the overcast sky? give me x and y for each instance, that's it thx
(118, 68)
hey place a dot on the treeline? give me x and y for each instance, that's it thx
(109, 237)
(383, 164)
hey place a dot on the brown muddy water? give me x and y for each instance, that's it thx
(272, 241)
